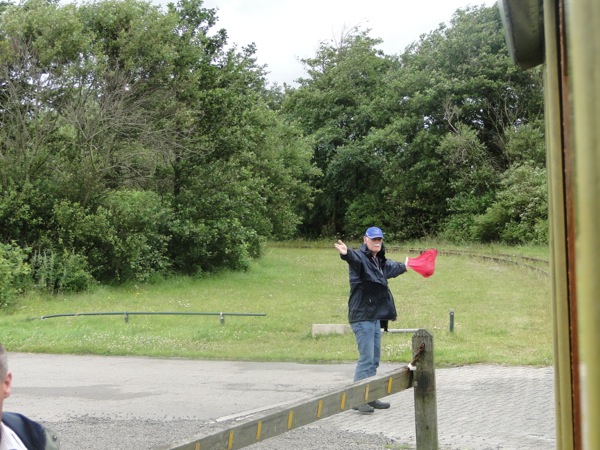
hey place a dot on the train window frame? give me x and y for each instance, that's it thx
(523, 22)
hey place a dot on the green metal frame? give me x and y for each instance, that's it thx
(566, 40)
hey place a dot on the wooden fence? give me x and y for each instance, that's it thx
(419, 374)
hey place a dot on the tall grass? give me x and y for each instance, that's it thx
(502, 313)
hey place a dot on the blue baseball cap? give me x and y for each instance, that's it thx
(374, 232)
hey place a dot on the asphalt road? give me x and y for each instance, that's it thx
(106, 403)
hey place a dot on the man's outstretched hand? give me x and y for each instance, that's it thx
(341, 247)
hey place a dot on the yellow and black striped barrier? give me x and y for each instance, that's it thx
(304, 412)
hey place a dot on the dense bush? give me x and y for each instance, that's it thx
(125, 238)
(14, 272)
(60, 272)
(519, 215)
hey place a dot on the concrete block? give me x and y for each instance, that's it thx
(330, 328)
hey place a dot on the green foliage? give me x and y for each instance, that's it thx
(334, 106)
(209, 232)
(135, 143)
(14, 272)
(472, 181)
(417, 189)
(429, 133)
(25, 211)
(519, 213)
(462, 91)
(85, 232)
(361, 214)
(125, 238)
(140, 221)
(60, 273)
(525, 143)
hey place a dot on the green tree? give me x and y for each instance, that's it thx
(135, 140)
(472, 179)
(417, 143)
(334, 106)
(458, 86)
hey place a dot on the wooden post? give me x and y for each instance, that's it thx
(425, 396)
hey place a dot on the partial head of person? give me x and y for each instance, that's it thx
(17, 431)
(373, 239)
(5, 377)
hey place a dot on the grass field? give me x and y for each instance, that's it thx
(502, 312)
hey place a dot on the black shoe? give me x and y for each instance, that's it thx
(379, 405)
(365, 409)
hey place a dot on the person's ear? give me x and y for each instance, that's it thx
(7, 384)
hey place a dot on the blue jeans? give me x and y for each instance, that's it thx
(368, 340)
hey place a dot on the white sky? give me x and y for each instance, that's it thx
(286, 31)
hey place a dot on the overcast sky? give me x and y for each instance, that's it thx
(285, 31)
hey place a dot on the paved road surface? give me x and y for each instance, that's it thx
(106, 403)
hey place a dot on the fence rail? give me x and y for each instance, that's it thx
(126, 314)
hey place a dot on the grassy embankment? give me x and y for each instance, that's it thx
(502, 312)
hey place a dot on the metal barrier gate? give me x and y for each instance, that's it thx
(419, 374)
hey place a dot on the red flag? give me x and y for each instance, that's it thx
(423, 264)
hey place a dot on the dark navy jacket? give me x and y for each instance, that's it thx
(32, 434)
(370, 297)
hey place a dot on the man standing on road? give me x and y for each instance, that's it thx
(17, 432)
(370, 302)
